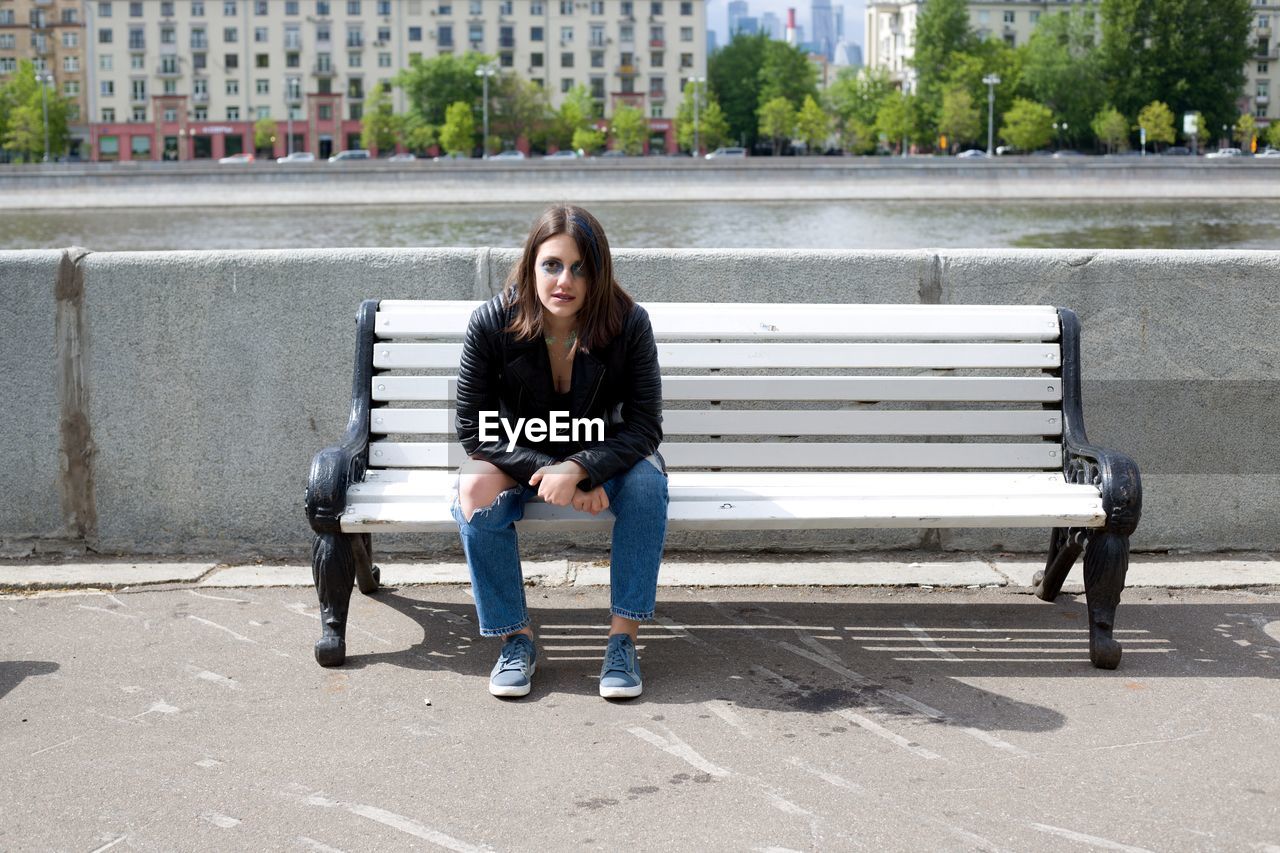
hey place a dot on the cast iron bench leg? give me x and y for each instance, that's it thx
(368, 576)
(333, 568)
(1106, 560)
(1064, 548)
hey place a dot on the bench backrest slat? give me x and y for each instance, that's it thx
(780, 387)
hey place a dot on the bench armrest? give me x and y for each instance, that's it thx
(1115, 474)
(335, 468)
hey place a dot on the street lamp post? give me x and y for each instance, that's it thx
(697, 97)
(44, 78)
(486, 71)
(1059, 128)
(992, 80)
(288, 110)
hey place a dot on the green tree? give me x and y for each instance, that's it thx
(813, 125)
(576, 112)
(434, 85)
(414, 133)
(1027, 126)
(733, 73)
(787, 73)
(1246, 132)
(378, 127)
(588, 140)
(900, 121)
(854, 99)
(989, 57)
(518, 108)
(959, 120)
(458, 135)
(629, 129)
(712, 127)
(1273, 134)
(264, 133)
(1157, 119)
(942, 30)
(1112, 129)
(1060, 69)
(777, 122)
(1190, 54)
(22, 124)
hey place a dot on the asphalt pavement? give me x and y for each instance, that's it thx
(191, 716)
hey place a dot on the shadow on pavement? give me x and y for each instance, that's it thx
(13, 672)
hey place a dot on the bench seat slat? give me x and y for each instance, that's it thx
(999, 389)
(781, 513)
(1045, 455)
(772, 321)
(424, 486)
(677, 422)
(445, 356)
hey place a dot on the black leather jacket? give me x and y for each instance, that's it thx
(619, 382)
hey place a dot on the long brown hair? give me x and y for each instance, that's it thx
(600, 319)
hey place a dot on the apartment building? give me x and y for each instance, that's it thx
(891, 27)
(51, 35)
(187, 79)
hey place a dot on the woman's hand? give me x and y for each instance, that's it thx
(594, 501)
(557, 483)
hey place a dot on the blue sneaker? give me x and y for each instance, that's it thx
(513, 673)
(620, 674)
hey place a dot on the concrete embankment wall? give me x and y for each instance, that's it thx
(63, 186)
(171, 402)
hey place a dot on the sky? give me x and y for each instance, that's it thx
(718, 15)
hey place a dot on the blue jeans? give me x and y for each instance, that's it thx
(638, 501)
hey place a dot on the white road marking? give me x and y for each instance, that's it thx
(925, 640)
(903, 699)
(407, 825)
(217, 597)
(1091, 840)
(107, 610)
(830, 778)
(241, 637)
(721, 709)
(674, 746)
(117, 601)
(159, 707)
(318, 846)
(1147, 742)
(110, 844)
(208, 763)
(213, 677)
(56, 745)
(221, 820)
(785, 806)
(877, 729)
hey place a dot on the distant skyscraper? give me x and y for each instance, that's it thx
(771, 25)
(711, 42)
(737, 11)
(749, 24)
(839, 10)
(824, 27)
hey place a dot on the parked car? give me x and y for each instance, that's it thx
(1002, 150)
(297, 157)
(1066, 152)
(1224, 152)
(972, 154)
(453, 155)
(245, 157)
(1268, 152)
(562, 154)
(402, 157)
(613, 154)
(727, 153)
(350, 154)
(1176, 151)
(513, 154)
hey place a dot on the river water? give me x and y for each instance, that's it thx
(799, 225)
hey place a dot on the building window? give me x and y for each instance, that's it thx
(475, 33)
(231, 60)
(138, 61)
(566, 7)
(353, 60)
(566, 60)
(233, 113)
(168, 35)
(291, 7)
(105, 62)
(199, 61)
(229, 8)
(597, 35)
(71, 63)
(445, 36)
(686, 60)
(686, 34)
(107, 89)
(70, 16)
(657, 87)
(137, 39)
(293, 60)
(355, 37)
(197, 8)
(1262, 68)
(200, 114)
(199, 87)
(322, 8)
(170, 115)
(1010, 17)
(566, 86)
(506, 59)
(506, 36)
(260, 7)
(655, 8)
(535, 33)
(104, 37)
(166, 9)
(198, 39)
(597, 59)
(108, 114)
(353, 7)
(230, 35)
(169, 87)
(262, 87)
(71, 39)
(597, 88)
(139, 114)
(504, 8)
(138, 89)
(384, 34)
(597, 7)
(71, 88)
(475, 7)
(325, 112)
(322, 32)
(445, 8)
(384, 60)
(233, 87)
(656, 58)
(415, 33)
(566, 35)
(535, 60)
(626, 33)
(384, 7)
(262, 60)
(263, 112)
(135, 10)
(260, 34)
(535, 8)
(104, 10)
(686, 8)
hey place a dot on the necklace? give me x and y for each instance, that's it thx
(568, 340)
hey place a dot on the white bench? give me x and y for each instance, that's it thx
(775, 416)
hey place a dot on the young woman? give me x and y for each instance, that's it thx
(562, 337)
